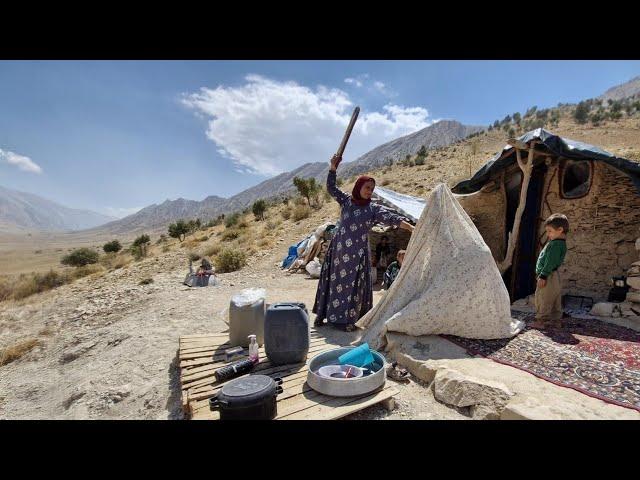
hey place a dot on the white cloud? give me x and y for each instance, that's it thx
(353, 81)
(20, 161)
(383, 89)
(120, 212)
(268, 127)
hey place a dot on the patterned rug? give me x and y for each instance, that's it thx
(599, 359)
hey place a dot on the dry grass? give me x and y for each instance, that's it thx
(301, 212)
(18, 350)
(213, 250)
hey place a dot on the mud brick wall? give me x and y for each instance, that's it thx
(603, 228)
(488, 212)
(398, 240)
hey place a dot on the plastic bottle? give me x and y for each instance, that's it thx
(253, 349)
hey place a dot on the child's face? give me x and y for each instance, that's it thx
(400, 258)
(553, 233)
(367, 190)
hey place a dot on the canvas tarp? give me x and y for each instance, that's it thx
(559, 146)
(448, 284)
(407, 205)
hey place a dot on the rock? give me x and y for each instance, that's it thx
(638, 244)
(634, 282)
(486, 398)
(628, 309)
(633, 296)
(602, 309)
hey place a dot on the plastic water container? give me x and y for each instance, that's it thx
(286, 333)
(246, 317)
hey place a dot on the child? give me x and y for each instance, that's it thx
(548, 298)
(393, 269)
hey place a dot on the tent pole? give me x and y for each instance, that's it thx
(527, 169)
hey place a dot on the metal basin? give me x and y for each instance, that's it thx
(337, 387)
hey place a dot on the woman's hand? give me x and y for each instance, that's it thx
(542, 283)
(335, 161)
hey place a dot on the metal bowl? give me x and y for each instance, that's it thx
(340, 372)
(371, 380)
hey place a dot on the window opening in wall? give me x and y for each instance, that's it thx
(575, 180)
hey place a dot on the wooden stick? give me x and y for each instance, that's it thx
(347, 134)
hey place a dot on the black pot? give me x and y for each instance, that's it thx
(248, 398)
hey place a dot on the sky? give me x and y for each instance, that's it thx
(116, 136)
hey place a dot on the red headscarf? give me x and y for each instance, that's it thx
(355, 194)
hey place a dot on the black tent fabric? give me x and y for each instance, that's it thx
(558, 146)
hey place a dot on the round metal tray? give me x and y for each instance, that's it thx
(339, 387)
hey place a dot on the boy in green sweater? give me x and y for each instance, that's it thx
(549, 288)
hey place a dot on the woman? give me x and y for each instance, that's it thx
(345, 292)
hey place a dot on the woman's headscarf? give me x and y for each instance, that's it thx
(355, 194)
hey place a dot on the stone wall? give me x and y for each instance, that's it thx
(487, 209)
(398, 240)
(603, 228)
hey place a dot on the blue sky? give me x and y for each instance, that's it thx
(116, 136)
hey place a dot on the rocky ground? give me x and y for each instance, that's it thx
(109, 345)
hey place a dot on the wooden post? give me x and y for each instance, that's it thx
(527, 169)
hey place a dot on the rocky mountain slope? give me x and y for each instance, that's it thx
(627, 89)
(439, 134)
(25, 211)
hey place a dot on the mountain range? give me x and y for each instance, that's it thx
(20, 211)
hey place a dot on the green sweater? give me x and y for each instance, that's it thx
(551, 257)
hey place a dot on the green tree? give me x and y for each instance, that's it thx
(141, 243)
(179, 230)
(517, 118)
(423, 151)
(80, 257)
(581, 113)
(112, 247)
(258, 208)
(308, 188)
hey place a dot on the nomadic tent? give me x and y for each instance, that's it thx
(598, 191)
(448, 284)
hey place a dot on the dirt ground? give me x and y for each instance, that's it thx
(109, 345)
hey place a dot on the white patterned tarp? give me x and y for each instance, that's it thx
(448, 284)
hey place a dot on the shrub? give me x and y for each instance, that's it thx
(166, 249)
(301, 212)
(194, 257)
(243, 224)
(286, 213)
(86, 271)
(80, 257)
(230, 260)
(146, 281)
(17, 350)
(420, 161)
(213, 250)
(232, 220)
(229, 235)
(112, 247)
(163, 239)
(259, 208)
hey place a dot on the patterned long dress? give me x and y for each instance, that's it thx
(344, 290)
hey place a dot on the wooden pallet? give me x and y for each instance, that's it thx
(201, 355)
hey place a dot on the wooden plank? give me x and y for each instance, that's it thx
(190, 374)
(338, 407)
(204, 358)
(332, 408)
(203, 335)
(192, 353)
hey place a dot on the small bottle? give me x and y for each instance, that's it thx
(253, 349)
